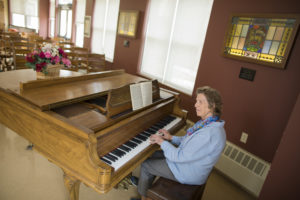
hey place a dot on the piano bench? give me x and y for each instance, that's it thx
(165, 189)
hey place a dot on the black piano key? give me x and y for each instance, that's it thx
(146, 134)
(150, 131)
(141, 137)
(154, 128)
(122, 153)
(166, 121)
(136, 140)
(131, 144)
(114, 157)
(121, 149)
(118, 153)
(107, 161)
(161, 123)
(159, 126)
(170, 118)
(124, 148)
(110, 157)
(107, 158)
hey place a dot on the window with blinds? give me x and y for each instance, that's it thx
(80, 13)
(52, 18)
(174, 39)
(24, 13)
(65, 18)
(105, 27)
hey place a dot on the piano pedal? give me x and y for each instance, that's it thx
(134, 181)
(125, 183)
(128, 181)
(29, 147)
(122, 185)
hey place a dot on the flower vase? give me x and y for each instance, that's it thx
(52, 71)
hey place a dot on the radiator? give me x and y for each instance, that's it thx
(244, 168)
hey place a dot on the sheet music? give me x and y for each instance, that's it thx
(146, 88)
(136, 96)
(141, 94)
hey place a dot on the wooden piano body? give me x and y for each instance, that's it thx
(58, 116)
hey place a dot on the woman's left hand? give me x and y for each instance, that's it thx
(156, 139)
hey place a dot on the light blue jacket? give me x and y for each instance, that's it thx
(194, 158)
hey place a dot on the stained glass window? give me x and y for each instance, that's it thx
(261, 39)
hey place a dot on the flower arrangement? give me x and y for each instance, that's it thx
(48, 54)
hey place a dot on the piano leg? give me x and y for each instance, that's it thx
(72, 184)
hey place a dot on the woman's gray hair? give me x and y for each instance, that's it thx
(213, 98)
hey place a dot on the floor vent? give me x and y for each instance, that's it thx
(243, 167)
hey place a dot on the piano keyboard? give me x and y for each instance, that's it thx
(121, 155)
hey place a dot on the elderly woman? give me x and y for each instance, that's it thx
(188, 159)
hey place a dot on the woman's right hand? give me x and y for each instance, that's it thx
(165, 134)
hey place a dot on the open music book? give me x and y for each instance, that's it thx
(141, 94)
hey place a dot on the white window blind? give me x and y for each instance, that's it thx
(17, 6)
(65, 21)
(175, 36)
(63, 2)
(106, 14)
(80, 12)
(25, 13)
(52, 17)
(18, 20)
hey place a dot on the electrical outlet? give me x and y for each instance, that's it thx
(244, 137)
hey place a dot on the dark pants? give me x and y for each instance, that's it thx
(155, 165)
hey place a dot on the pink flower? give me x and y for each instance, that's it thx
(55, 60)
(30, 58)
(42, 55)
(39, 66)
(47, 54)
(66, 61)
(61, 51)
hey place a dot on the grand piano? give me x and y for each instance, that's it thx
(85, 123)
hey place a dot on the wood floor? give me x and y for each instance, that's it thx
(26, 175)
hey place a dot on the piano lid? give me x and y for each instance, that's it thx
(63, 90)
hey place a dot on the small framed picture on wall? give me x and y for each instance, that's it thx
(128, 22)
(87, 26)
